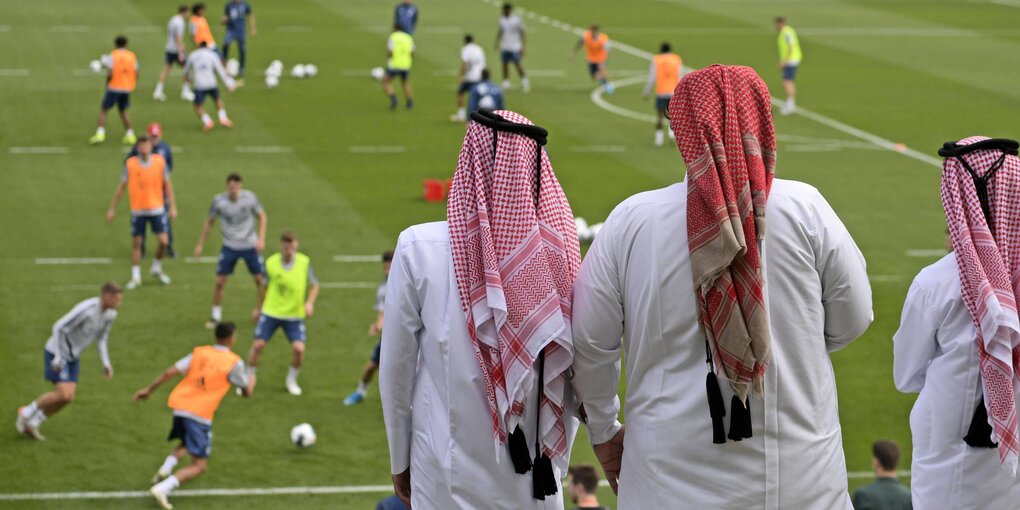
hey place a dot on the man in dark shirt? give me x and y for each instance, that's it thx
(406, 16)
(886, 492)
(581, 485)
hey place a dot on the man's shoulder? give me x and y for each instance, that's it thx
(675, 194)
(434, 232)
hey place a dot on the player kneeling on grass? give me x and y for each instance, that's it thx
(200, 72)
(289, 276)
(89, 321)
(209, 371)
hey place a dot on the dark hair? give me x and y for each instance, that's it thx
(203, 44)
(398, 27)
(234, 177)
(780, 19)
(485, 74)
(110, 288)
(120, 41)
(142, 138)
(225, 330)
(507, 7)
(888, 454)
(585, 476)
(665, 47)
(196, 8)
(182, 8)
(468, 38)
(387, 256)
(288, 236)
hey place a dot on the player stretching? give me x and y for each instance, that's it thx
(209, 371)
(175, 54)
(237, 16)
(237, 208)
(147, 180)
(200, 70)
(400, 49)
(289, 276)
(88, 322)
(199, 29)
(375, 329)
(664, 74)
(510, 43)
(120, 82)
(596, 50)
(789, 59)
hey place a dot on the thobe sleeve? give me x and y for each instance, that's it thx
(597, 325)
(914, 344)
(399, 355)
(846, 290)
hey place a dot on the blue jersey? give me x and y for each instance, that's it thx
(237, 17)
(487, 95)
(406, 17)
(162, 148)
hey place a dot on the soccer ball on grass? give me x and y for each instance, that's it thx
(303, 435)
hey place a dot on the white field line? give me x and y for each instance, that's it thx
(201, 260)
(272, 491)
(5, 28)
(349, 285)
(69, 28)
(934, 252)
(72, 261)
(819, 118)
(532, 73)
(377, 149)
(596, 97)
(1008, 3)
(15, 72)
(885, 278)
(598, 148)
(354, 259)
(264, 149)
(54, 149)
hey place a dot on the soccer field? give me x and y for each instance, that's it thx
(883, 84)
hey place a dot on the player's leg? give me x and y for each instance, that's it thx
(525, 84)
(405, 81)
(227, 40)
(387, 86)
(366, 377)
(221, 109)
(224, 268)
(169, 463)
(242, 54)
(461, 114)
(197, 439)
(159, 224)
(264, 329)
(159, 94)
(199, 101)
(256, 269)
(123, 103)
(295, 331)
(659, 114)
(65, 382)
(104, 106)
(137, 227)
(504, 56)
(603, 77)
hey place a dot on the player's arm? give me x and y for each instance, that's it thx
(577, 47)
(167, 374)
(524, 39)
(313, 292)
(181, 50)
(463, 70)
(499, 37)
(222, 71)
(241, 378)
(102, 345)
(206, 227)
(263, 222)
(251, 23)
(188, 65)
(226, 12)
(112, 211)
(168, 188)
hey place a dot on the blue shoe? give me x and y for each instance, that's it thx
(354, 398)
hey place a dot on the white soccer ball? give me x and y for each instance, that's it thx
(378, 72)
(595, 230)
(272, 81)
(233, 67)
(303, 435)
(298, 71)
(583, 232)
(311, 70)
(95, 66)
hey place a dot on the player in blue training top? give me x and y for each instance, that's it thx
(406, 16)
(373, 330)
(239, 19)
(159, 146)
(485, 94)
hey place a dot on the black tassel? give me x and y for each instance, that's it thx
(740, 419)
(979, 435)
(519, 454)
(543, 479)
(716, 408)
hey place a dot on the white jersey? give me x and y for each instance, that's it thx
(511, 33)
(85, 324)
(474, 57)
(175, 30)
(204, 64)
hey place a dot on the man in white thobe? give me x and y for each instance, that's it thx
(637, 283)
(450, 420)
(956, 461)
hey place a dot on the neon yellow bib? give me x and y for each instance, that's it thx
(789, 45)
(285, 295)
(401, 46)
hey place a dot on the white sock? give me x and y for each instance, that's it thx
(129, 132)
(136, 272)
(292, 373)
(525, 82)
(462, 112)
(222, 114)
(37, 419)
(185, 88)
(206, 119)
(168, 485)
(362, 387)
(217, 313)
(251, 370)
(168, 465)
(159, 89)
(29, 410)
(157, 266)
(100, 131)
(790, 102)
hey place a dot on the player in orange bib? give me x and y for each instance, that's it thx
(199, 29)
(120, 82)
(596, 51)
(209, 373)
(663, 75)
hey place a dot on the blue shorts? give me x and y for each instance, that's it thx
(593, 68)
(789, 72)
(69, 372)
(172, 58)
(375, 353)
(113, 97)
(662, 103)
(158, 221)
(229, 256)
(195, 436)
(510, 56)
(465, 86)
(239, 37)
(402, 73)
(293, 328)
(200, 95)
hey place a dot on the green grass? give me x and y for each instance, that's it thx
(920, 89)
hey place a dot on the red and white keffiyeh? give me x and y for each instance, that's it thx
(515, 267)
(989, 265)
(722, 117)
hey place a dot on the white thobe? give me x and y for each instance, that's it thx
(636, 283)
(935, 355)
(434, 405)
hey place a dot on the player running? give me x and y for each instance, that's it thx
(375, 329)
(209, 372)
(175, 53)
(596, 50)
(289, 276)
(472, 58)
(199, 29)
(159, 146)
(239, 19)
(120, 82)
(789, 60)
(663, 75)
(237, 209)
(200, 71)
(510, 43)
(87, 323)
(485, 95)
(400, 49)
(147, 180)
